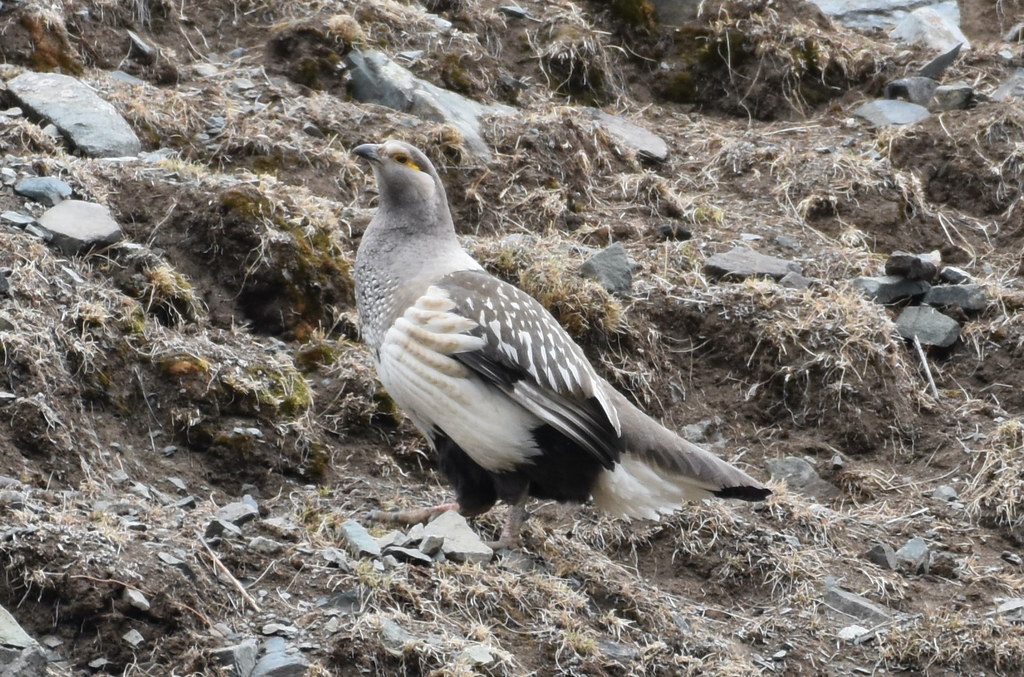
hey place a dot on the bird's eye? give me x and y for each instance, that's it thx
(403, 159)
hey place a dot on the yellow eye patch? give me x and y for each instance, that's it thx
(403, 159)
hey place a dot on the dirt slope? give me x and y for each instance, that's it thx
(216, 353)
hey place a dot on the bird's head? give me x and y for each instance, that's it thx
(405, 176)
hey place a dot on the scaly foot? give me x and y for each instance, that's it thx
(409, 517)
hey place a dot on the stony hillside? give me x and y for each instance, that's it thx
(192, 433)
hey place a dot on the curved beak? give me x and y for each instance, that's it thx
(368, 151)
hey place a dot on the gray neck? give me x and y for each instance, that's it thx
(395, 266)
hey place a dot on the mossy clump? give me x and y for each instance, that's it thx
(640, 13)
(269, 391)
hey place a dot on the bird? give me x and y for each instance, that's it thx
(506, 398)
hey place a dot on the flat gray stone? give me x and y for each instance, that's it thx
(16, 219)
(927, 325)
(964, 296)
(12, 634)
(46, 190)
(461, 543)
(945, 492)
(880, 13)
(646, 144)
(91, 124)
(890, 288)
(881, 554)
(889, 112)
(954, 275)
(1012, 609)
(136, 599)
(218, 528)
(611, 268)
(408, 555)
(237, 513)
(378, 79)
(742, 262)
(855, 606)
(930, 29)
(913, 266)
(278, 662)
(239, 658)
(1013, 88)
(915, 89)
(800, 477)
(75, 226)
(27, 662)
(358, 540)
(394, 638)
(795, 281)
(955, 96)
(914, 556)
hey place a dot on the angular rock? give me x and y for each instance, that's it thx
(742, 262)
(928, 326)
(617, 652)
(378, 79)
(46, 190)
(955, 96)
(237, 513)
(646, 144)
(461, 543)
(27, 662)
(136, 599)
(954, 275)
(888, 289)
(853, 605)
(611, 268)
(879, 13)
(240, 658)
(16, 218)
(133, 637)
(888, 112)
(218, 528)
(12, 634)
(963, 296)
(431, 544)
(278, 662)
(795, 281)
(1012, 609)
(851, 633)
(91, 124)
(266, 546)
(914, 557)
(930, 29)
(75, 226)
(881, 554)
(393, 637)
(937, 67)
(800, 477)
(409, 555)
(358, 540)
(915, 89)
(1012, 88)
(913, 266)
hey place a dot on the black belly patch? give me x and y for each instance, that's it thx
(563, 471)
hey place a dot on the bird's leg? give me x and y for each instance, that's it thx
(413, 516)
(510, 530)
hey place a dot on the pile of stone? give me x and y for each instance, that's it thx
(929, 286)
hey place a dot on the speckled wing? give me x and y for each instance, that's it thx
(530, 357)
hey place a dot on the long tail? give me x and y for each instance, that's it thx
(660, 470)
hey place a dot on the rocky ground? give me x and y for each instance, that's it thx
(193, 434)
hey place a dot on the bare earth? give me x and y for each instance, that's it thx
(220, 348)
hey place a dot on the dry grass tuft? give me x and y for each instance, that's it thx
(996, 490)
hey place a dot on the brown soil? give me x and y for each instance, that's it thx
(218, 347)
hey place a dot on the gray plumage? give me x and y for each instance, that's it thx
(509, 401)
